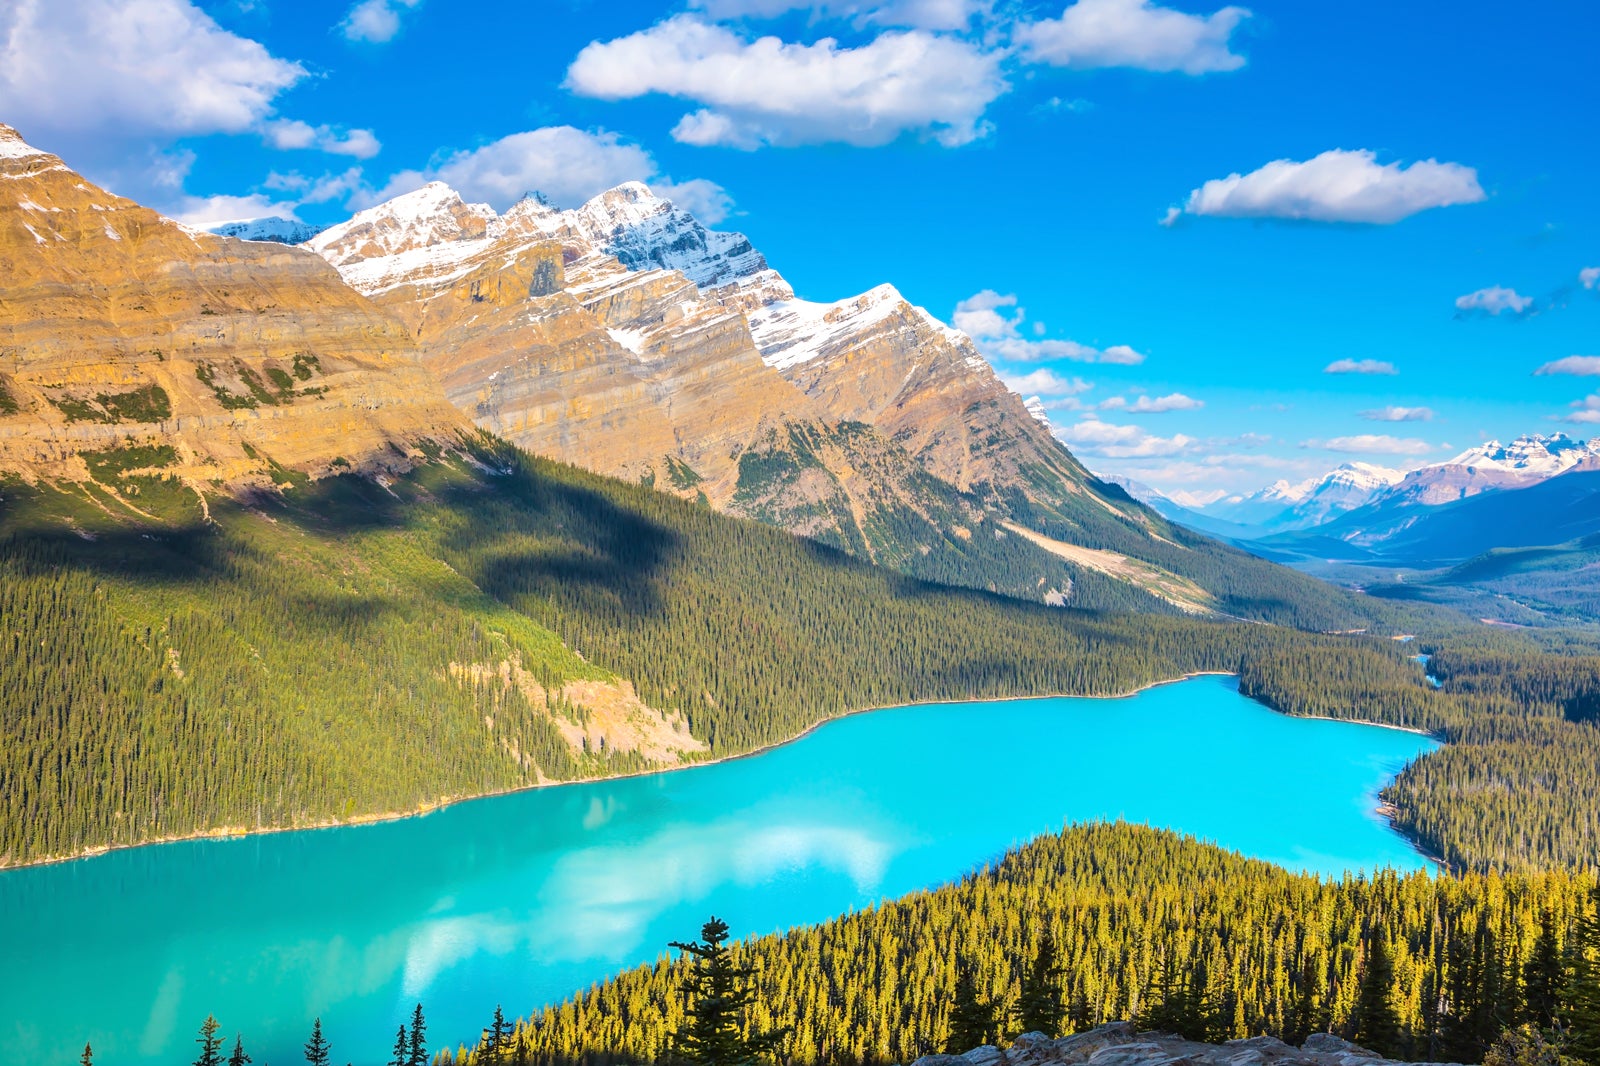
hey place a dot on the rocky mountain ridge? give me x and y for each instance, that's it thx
(1120, 1044)
(625, 337)
(229, 362)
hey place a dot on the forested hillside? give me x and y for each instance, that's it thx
(352, 647)
(1151, 926)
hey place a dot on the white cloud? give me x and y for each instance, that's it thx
(206, 211)
(983, 317)
(705, 200)
(568, 165)
(375, 21)
(1094, 437)
(1399, 414)
(1589, 277)
(315, 190)
(1175, 401)
(291, 133)
(772, 92)
(1336, 186)
(1585, 411)
(919, 14)
(130, 68)
(1494, 300)
(1045, 382)
(1134, 33)
(1372, 444)
(1359, 366)
(1581, 365)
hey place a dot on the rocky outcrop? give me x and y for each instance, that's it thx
(1119, 1044)
(233, 362)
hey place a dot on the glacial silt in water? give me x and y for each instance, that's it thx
(524, 899)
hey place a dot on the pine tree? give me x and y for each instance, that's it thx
(1039, 1008)
(402, 1049)
(417, 1040)
(496, 1039)
(87, 1058)
(1544, 979)
(716, 994)
(974, 1020)
(1377, 1021)
(1583, 990)
(210, 1043)
(238, 1057)
(317, 1047)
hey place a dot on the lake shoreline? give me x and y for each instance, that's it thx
(422, 810)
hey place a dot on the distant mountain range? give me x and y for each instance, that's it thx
(1501, 529)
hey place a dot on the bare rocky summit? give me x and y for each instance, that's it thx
(1119, 1044)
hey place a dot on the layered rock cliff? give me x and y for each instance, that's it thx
(232, 361)
(626, 337)
(1119, 1044)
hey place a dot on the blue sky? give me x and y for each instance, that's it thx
(1433, 213)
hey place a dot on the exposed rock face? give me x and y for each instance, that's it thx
(120, 327)
(1119, 1044)
(625, 337)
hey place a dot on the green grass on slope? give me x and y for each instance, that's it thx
(1141, 918)
(298, 658)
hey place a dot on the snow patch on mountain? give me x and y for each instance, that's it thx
(275, 230)
(794, 331)
(1531, 455)
(12, 146)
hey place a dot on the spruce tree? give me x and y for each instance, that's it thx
(1583, 990)
(496, 1039)
(417, 1040)
(974, 1019)
(1377, 1021)
(1544, 978)
(317, 1047)
(87, 1058)
(716, 994)
(237, 1057)
(402, 1048)
(210, 1043)
(1039, 1008)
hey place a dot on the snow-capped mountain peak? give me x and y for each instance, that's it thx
(12, 146)
(1529, 455)
(275, 229)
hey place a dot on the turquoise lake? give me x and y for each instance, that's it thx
(524, 899)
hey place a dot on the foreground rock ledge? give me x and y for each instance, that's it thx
(1119, 1044)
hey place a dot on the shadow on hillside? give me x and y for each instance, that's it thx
(514, 532)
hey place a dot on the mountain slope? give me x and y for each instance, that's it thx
(625, 337)
(120, 327)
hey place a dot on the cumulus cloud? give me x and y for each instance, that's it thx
(206, 211)
(1585, 411)
(1094, 437)
(1372, 444)
(704, 199)
(1134, 33)
(566, 164)
(1359, 366)
(920, 14)
(131, 68)
(1589, 277)
(994, 321)
(1582, 365)
(771, 92)
(1175, 401)
(292, 133)
(1399, 414)
(1045, 382)
(1336, 186)
(1493, 301)
(375, 21)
